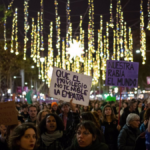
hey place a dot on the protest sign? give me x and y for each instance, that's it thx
(122, 73)
(8, 113)
(66, 85)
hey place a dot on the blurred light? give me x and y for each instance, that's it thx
(42, 59)
(15, 77)
(23, 93)
(32, 86)
(25, 83)
(9, 91)
(32, 67)
(137, 51)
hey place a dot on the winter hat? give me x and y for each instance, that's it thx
(54, 103)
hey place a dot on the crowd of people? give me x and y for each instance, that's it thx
(66, 126)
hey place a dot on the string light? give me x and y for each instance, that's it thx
(143, 35)
(41, 22)
(126, 51)
(114, 45)
(16, 30)
(26, 26)
(130, 45)
(5, 22)
(148, 10)
(111, 24)
(63, 54)
(107, 40)
(38, 40)
(35, 44)
(12, 34)
(32, 38)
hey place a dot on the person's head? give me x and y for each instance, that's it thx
(147, 114)
(32, 111)
(65, 107)
(132, 105)
(51, 123)
(87, 133)
(3, 129)
(108, 111)
(140, 104)
(54, 106)
(133, 120)
(85, 108)
(23, 137)
(88, 116)
(96, 105)
(25, 108)
(99, 111)
(41, 115)
(125, 104)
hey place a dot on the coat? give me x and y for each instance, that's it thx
(96, 145)
(127, 138)
(56, 145)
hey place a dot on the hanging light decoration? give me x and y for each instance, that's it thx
(5, 22)
(130, 45)
(114, 45)
(126, 50)
(16, 30)
(12, 34)
(26, 26)
(143, 35)
(38, 40)
(32, 38)
(35, 44)
(63, 54)
(111, 24)
(107, 40)
(148, 10)
(41, 23)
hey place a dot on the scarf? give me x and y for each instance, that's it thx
(50, 138)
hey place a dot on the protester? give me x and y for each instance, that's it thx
(124, 105)
(70, 121)
(144, 125)
(54, 107)
(127, 111)
(129, 133)
(99, 111)
(85, 109)
(147, 136)
(86, 138)
(3, 130)
(23, 137)
(32, 114)
(24, 112)
(139, 107)
(51, 132)
(41, 115)
(110, 127)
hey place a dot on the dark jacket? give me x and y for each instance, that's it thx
(140, 142)
(29, 120)
(96, 145)
(56, 145)
(110, 133)
(72, 121)
(142, 116)
(124, 116)
(127, 138)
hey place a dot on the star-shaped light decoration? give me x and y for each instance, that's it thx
(75, 50)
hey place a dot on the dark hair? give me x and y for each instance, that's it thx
(89, 125)
(132, 102)
(32, 106)
(64, 104)
(17, 133)
(98, 109)
(112, 113)
(147, 114)
(42, 125)
(88, 116)
(24, 106)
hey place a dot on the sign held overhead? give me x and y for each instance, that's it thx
(122, 73)
(66, 85)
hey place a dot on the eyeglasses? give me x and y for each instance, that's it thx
(83, 133)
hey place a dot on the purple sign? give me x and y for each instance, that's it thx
(122, 73)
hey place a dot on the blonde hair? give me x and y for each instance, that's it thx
(113, 117)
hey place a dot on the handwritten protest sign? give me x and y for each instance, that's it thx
(122, 73)
(66, 85)
(8, 113)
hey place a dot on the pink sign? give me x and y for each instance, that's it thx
(148, 80)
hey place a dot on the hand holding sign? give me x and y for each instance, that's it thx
(72, 106)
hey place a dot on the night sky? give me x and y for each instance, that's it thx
(131, 9)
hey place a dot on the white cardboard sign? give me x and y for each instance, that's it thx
(66, 85)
